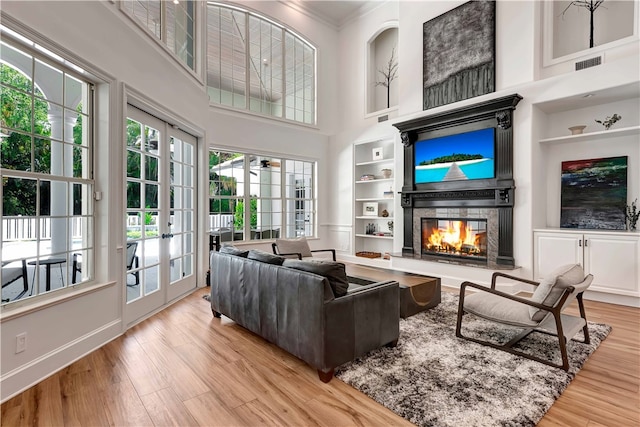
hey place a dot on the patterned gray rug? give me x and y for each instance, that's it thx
(433, 378)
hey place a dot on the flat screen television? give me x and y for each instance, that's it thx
(463, 156)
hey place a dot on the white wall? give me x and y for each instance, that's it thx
(103, 39)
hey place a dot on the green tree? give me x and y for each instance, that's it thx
(238, 222)
(17, 121)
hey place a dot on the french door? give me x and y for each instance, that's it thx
(160, 213)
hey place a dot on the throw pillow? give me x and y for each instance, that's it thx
(232, 250)
(265, 257)
(551, 288)
(294, 246)
(334, 272)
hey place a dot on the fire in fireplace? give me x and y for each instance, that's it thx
(455, 237)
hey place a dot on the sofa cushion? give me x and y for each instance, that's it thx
(232, 250)
(551, 287)
(334, 272)
(294, 246)
(265, 257)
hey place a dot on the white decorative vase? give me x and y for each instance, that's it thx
(577, 130)
(386, 173)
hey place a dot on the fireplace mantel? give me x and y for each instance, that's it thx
(497, 192)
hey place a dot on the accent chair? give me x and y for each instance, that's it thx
(297, 248)
(542, 312)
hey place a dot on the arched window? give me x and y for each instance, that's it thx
(258, 65)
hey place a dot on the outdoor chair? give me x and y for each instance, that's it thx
(12, 274)
(298, 248)
(133, 262)
(542, 312)
(76, 267)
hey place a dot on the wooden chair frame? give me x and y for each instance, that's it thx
(554, 310)
(274, 246)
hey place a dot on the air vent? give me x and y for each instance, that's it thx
(591, 62)
(383, 118)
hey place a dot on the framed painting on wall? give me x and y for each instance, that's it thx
(593, 193)
(459, 54)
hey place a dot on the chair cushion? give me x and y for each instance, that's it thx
(265, 257)
(551, 288)
(232, 250)
(495, 307)
(294, 246)
(9, 274)
(334, 272)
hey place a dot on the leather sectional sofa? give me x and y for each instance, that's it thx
(299, 311)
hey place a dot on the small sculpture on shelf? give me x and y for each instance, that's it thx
(631, 213)
(385, 213)
(390, 225)
(609, 121)
(370, 229)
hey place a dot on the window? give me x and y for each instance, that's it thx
(280, 194)
(46, 171)
(171, 22)
(257, 65)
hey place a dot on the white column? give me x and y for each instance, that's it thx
(61, 201)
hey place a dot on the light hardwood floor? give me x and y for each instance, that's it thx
(182, 367)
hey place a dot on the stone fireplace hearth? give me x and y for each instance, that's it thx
(487, 199)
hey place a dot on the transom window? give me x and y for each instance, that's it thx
(257, 65)
(171, 22)
(280, 194)
(46, 171)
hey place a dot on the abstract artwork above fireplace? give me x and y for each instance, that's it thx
(593, 193)
(459, 54)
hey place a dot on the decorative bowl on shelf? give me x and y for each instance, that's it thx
(577, 130)
(367, 177)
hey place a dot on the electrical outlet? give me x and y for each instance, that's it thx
(21, 342)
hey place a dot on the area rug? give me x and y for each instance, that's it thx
(433, 378)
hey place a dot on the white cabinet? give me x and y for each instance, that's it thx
(612, 257)
(374, 197)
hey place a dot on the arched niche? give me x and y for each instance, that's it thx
(380, 48)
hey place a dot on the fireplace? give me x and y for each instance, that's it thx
(455, 237)
(481, 204)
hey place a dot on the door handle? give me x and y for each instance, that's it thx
(167, 235)
(579, 242)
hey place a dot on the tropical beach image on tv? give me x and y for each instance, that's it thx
(468, 155)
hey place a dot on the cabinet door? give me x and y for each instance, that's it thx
(613, 261)
(553, 250)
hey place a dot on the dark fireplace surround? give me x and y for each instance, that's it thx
(491, 199)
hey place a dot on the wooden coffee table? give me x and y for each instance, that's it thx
(417, 292)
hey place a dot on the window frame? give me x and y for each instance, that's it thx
(286, 33)
(39, 49)
(197, 70)
(288, 203)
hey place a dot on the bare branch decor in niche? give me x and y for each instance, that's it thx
(459, 54)
(591, 6)
(389, 73)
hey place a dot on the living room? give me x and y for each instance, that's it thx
(99, 36)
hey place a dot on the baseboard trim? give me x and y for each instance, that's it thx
(20, 379)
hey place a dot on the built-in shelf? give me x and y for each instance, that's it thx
(388, 218)
(376, 199)
(374, 162)
(377, 191)
(371, 181)
(592, 136)
(373, 236)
